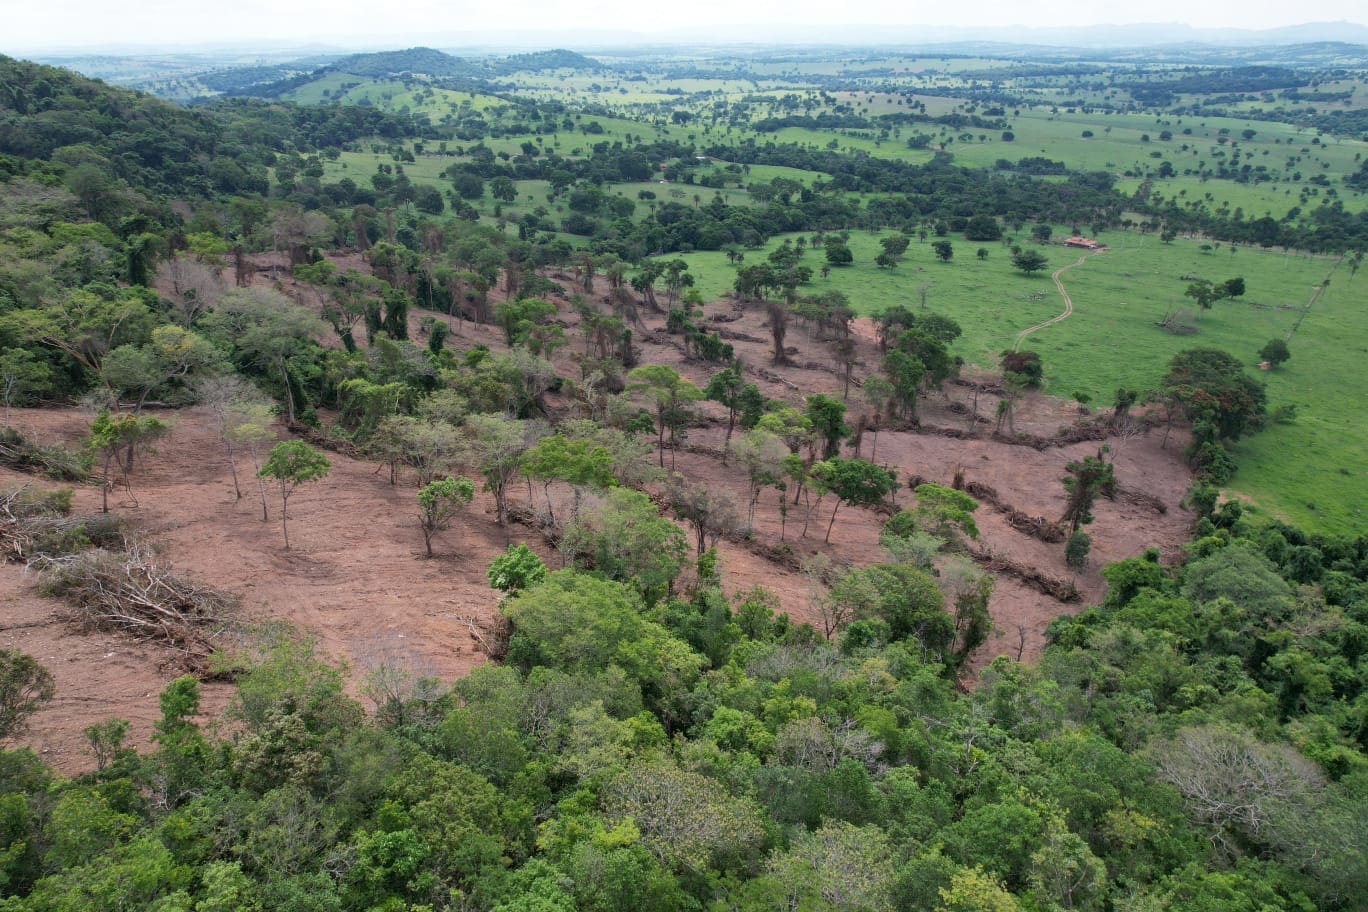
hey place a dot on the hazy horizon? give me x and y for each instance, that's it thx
(87, 26)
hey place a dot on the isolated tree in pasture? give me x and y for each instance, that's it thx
(1029, 261)
(293, 463)
(945, 250)
(838, 253)
(895, 244)
(1275, 352)
(438, 503)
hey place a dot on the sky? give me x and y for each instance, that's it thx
(48, 24)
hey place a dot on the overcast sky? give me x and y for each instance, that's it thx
(45, 24)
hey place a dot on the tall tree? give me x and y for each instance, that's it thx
(293, 463)
(668, 395)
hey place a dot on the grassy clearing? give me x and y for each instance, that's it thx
(1297, 470)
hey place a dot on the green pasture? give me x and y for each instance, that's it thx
(1113, 339)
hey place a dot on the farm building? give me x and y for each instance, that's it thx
(1084, 243)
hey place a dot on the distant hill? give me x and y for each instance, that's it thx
(103, 140)
(556, 59)
(421, 62)
(418, 61)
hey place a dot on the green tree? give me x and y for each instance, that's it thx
(838, 253)
(520, 316)
(668, 395)
(174, 354)
(625, 538)
(116, 439)
(944, 512)
(517, 568)
(1275, 352)
(1025, 364)
(268, 329)
(854, 481)
(293, 463)
(945, 250)
(579, 462)
(1076, 549)
(1088, 477)
(438, 503)
(708, 509)
(497, 445)
(22, 376)
(688, 821)
(1208, 384)
(1029, 261)
(903, 597)
(729, 388)
(25, 686)
(828, 420)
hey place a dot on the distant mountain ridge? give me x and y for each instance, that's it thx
(429, 62)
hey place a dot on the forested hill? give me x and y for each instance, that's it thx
(425, 62)
(103, 142)
(557, 59)
(75, 123)
(417, 60)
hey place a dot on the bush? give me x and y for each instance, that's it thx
(517, 568)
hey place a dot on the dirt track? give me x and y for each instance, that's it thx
(1063, 293)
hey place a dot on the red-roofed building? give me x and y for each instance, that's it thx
(1084, 243)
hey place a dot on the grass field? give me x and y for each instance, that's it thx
(1310, 471)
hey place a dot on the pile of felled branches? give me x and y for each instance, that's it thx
(133, 592)
(1056, 587)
